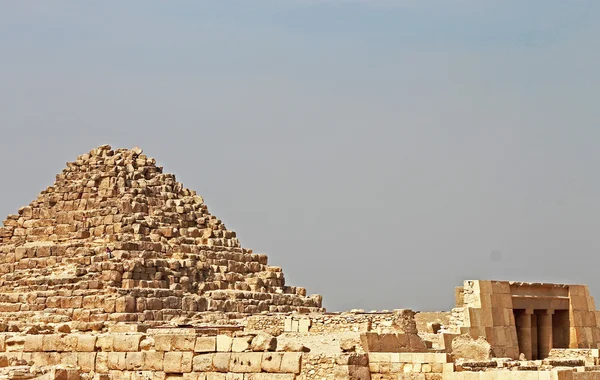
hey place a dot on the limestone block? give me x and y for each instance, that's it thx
(105, 343)
(215, 376)
(86, 361)
(264, 342)
(271, 361)
(273, 376)
(579, 303)
(163, 342)
(499, 317)
(147, 344)
(295, 326)
(69, 358)
(33, 343)
(192, 376)
(291, 362)
(172, 362)
(120, 375)
(482, 286)
(117, 361)
(466, 347)
(236, 376)
(134, 361)
(245, 362)
(125, 305)
(183, 342)
(241, 344)
(126, 343)
(383, 357)
(174, 342)
(53, 342)
(187, 360)
(224, 343)
(441, 358)
(153, 361)
(177, 362)
(560, 374)
(577, 290)
(15, 344)
(203, 363)
(352, 372)
(86, 343)
(64, 374)
(416, 367)
(374, 367)
(69, 342)
(501, 287)
(102, 362)
(304, 325)
(125, 327)
(221, 361)
(205, 344)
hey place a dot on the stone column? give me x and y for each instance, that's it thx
(544, 333)
(534, 337)
(524, 336)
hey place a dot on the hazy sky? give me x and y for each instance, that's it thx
(381, 152)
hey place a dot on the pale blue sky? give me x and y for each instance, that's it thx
(381, 152)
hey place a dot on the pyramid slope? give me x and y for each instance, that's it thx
(172, 258)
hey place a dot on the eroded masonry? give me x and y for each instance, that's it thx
(117, 271)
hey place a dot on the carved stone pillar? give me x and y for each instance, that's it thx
(544, 333)
(524, 335)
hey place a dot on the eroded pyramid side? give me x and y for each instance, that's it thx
(172, 258)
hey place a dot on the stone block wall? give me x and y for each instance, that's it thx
(426, 366)
(584, 318)
(396, 321)
(125, 355)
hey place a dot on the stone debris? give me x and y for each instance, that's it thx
(465, 347)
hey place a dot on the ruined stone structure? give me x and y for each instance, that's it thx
(117, 272)
(526, 318)
(172, 258)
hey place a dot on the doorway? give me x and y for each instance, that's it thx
(540, 330)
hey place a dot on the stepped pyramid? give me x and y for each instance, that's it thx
(171, 257)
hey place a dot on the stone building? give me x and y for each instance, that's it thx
(527, 318)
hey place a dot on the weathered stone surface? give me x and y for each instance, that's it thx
(465, 347)
(115, 239)
(264, 342)
(205, 344)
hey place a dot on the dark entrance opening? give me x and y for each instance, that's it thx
(538, 331)
(560, 329)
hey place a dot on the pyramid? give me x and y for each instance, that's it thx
(169, 257)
